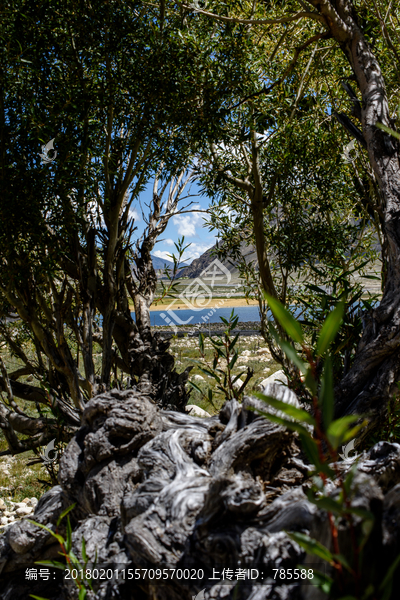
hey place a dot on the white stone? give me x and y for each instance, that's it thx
(246, 353)
(3, 521)
(237, 384)
(2, 505)
(33, 501)
(27, 510)
(198, 377)
(263, 351)
(196, 411)
(278, 377)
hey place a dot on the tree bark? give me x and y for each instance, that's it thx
(376, 368)
(158, 489)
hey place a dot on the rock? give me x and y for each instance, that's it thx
(158, 489)
(3, 505)
(263, 351)
(21, 512)
(196, 411)
(26, 500)
(237, 384)
(33, 501)
(198, 378)
(278, 377)
(3, 521)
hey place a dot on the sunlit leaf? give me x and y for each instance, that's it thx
(283, 316)
(311, 546)
(330, 329)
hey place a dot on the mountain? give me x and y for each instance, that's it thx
(199, 264)
(160, 264)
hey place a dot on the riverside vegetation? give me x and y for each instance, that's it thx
(259, 104)
(19, 480)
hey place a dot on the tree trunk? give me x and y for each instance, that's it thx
(157, 489)
(376, 368)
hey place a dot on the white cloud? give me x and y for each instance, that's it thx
(186, 224)
(162, 254)
(133, 214)
(169, 242)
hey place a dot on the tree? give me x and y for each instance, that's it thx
(360, 34)
(112, 83)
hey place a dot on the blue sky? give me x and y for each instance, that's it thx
(191, 225)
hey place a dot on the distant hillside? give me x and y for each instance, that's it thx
(199, 264)
(162, 263)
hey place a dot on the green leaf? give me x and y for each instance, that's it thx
(69, 536)
(195, 386)
(330, 329)
(201, 343)
(388, 130)
(361, 512)
(338, 429)
(325, 502)
(56, 564)
(349, 478)
(210, 397)
(65, 512)
(310, 447)
(354, 430)
(292, 411)
(311, 546)
(327, 401)
(310, 382)
(293, 356)
(290, 325)
(321, 581)
(82, 593)
(58, 537)
(292, 425)
(233, 361)
(233, 342)
(212, 374)
(343, 561)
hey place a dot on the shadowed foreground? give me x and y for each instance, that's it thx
(156, 488)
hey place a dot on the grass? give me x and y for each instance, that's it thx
(19, 480)
(23, 481)
(186, 352)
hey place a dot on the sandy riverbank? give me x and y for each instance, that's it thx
(220, 302)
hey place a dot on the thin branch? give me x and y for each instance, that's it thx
(319, 36)
(286, 19)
